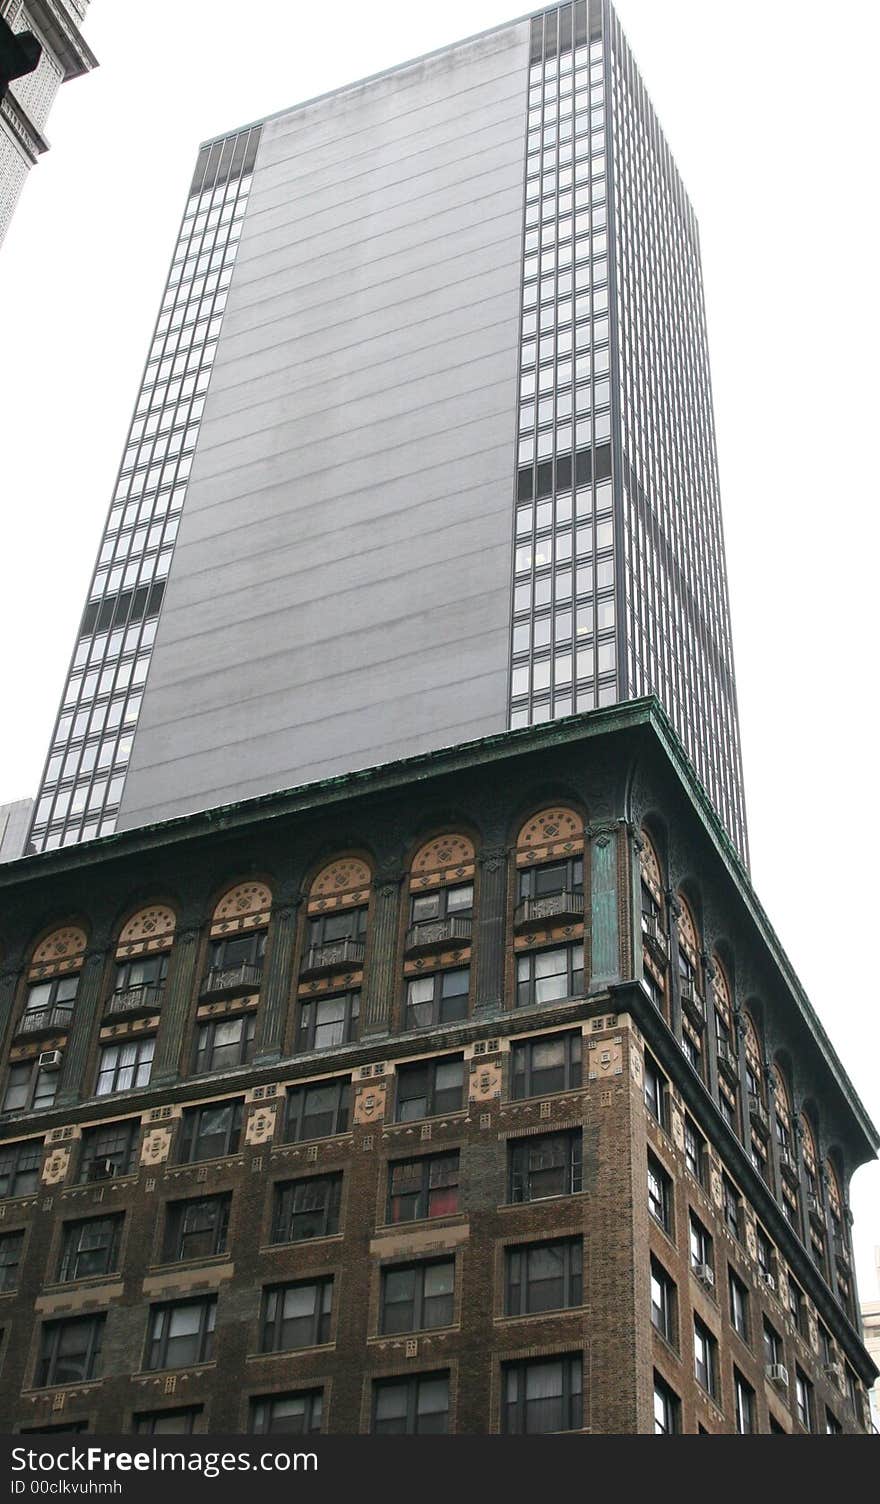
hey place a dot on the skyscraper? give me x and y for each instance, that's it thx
(25, 108)
(424, 446)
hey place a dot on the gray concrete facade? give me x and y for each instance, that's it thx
(339, 594)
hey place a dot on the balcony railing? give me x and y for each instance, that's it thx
(231, 981)
(44, 1021)
(569, 904)
(654, 938)
(788, 1166)
(815, 1211)
(691, 1001)
(758, 1114)
(144, 997)
(841, 1252)
(335, 955)
(727, 1061)
(432, 934)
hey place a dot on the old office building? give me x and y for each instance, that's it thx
(424, 446)
(472, 1093)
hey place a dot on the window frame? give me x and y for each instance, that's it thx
(422, 1193)
(290, 1190)
(160, 1315)
(205, 1047)
(706, 1369)
(572, 1067)
(439, 1016)
(519, 1179)
(410, 1070)
(12, 1154)
(411, 1385)
(72, 1234)
(656, 1171)
(296, 1119)
(670, 1403)
(526, 989)
(51, 1336)
(191, 1138)
(139, 1044)
(418, 1268)
(518, 1290)
(309, 1396)
(319, 1319)
(306, 1032)
(175, 1232)
(570, 1400)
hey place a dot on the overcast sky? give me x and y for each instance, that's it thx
(773, 125)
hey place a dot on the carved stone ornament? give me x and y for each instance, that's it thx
(445, 856)
(369, 1102)
(751, 1240)
(63, 950)
(552, 827)
(635, 1066)
(246, 906)
(56, 1165)
(605, 1059)
(715, 1186)
(147, 930)
(261, 1125)
(344, 875)
(485, 1081)
(677, 1129)
(156, 1146)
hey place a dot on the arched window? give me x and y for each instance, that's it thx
(549, 916)
(754, 1065)
(142, 961)
(808, 1150)
(655, 942)
(788, 1168)
(42, 1029)
(725, 1044)
(438, 956)
(332, 968)
(230, 992)
(690, 985)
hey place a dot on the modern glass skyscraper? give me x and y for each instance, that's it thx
(445, 464)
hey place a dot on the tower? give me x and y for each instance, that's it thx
(424, 447)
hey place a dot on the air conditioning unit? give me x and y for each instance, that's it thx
(102, 1169)
(705, 1275)
(777, 1373)
(834, 1372)
(49, 1060)
(768, 1279)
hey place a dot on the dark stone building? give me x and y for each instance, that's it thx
(471, 1093)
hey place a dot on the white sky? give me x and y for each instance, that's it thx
(773, 124)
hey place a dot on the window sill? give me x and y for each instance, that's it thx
(321, 1237)
(291, 1352)
(551, 1315)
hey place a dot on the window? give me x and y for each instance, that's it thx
(553, 878)
(318, 1111)
(89, 1248)
(196, 1229)
(440, 998)
(705, 1358)
(803, 1390)
(167, 1422)
(546, 976)
(663, 1303)
(764, 1252)
(543, 1277)
(546, 1064)
(694, 1151)
(832, 1424)
(223, 1043)
(548, 1165)
(426, 1090)
(306, 1208)
(731, 1206)
(744, 1405)
(181, 1333)
(11, 1245)
(210, 1132)
(30, 1087)
(444, 903)
(236, 960)
(140, 980)
(337, 925)
(327, 1022)
(739, 1305)
(418, 1406)
(659, 1194)
(124, 1066)
(542, 1395)
(20, 1167)
(287, 1414)
(297, 1315)
(667, 1409)
(426, 1187)
(656, 1087)
(701, 1245)
(109, 1150)
(49, 1004)
(796, 1306)
(70, 1351)
(416, 1297)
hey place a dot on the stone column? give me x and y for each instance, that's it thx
(9, 980)
(773, 1140)
(386, 965)
(180, 996)
(831, 1261)
(86, 1013)
(277, 984)
(710, 1039)
(604, 910)
(489, 931)
(740, 1031)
